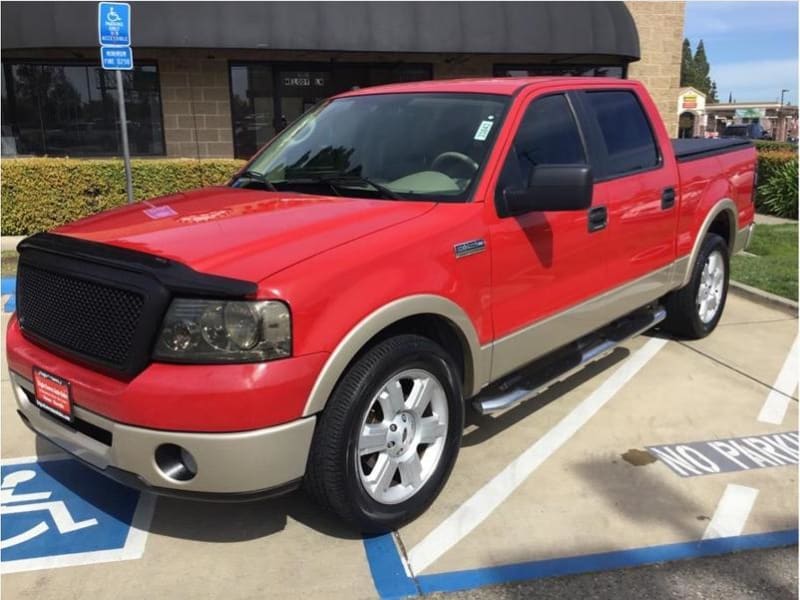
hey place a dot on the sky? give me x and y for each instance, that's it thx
(751, 46)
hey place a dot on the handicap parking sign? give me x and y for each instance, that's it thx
(114, 23)
(57, 512)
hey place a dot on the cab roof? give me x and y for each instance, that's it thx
(506, 86)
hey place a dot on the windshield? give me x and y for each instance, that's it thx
(393, 146)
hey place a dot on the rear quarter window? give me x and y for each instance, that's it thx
(625, 131)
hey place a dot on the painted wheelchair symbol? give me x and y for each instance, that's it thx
(11, 503)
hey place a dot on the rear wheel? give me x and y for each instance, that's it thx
(388, 439)
(695, 310)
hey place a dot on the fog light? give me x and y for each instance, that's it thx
(176, 462)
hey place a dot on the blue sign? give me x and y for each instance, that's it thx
(114, 23)
(119, 59)
(57, 512)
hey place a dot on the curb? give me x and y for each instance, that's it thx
(9, 242)
(764, 298)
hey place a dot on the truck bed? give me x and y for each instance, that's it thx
(695, 149)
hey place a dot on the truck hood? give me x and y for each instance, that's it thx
(239, 233)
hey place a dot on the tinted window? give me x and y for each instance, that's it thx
(547, 135)
(427, 146)
(71, 109)
(626, 131)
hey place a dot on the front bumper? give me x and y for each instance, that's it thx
(232, 466)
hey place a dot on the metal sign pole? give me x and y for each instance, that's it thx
(123, 123)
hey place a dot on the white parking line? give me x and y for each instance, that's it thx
(477, 508)
(774, 408)
(732, 511)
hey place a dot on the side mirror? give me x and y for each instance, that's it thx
(551, 188)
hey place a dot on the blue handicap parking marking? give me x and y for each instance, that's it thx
(8, 285)
(393, 582)
(58, 511)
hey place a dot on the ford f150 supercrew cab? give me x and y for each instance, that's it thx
(396, 256)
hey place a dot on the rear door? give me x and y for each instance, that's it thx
(634, 179)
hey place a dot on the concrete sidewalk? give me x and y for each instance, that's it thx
(770, 220)
(9, 242)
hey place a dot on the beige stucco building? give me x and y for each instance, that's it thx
(221, 82)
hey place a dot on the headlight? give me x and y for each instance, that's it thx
(205, 331)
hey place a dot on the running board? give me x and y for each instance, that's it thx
(535, 378)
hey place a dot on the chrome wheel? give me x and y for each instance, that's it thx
(712, 283)
(402, 436)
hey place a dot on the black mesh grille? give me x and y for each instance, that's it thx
(97, 321)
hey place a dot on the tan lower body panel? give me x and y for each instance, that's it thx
(526, 345)
(227, 463)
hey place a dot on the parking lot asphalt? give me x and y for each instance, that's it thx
(569, 482)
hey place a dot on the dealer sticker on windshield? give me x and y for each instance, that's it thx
(483, 130)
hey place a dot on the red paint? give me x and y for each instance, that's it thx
(185, 397)
(336, 260)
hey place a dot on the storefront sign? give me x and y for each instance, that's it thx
(690, 101)
(301, 79)
(751, 113)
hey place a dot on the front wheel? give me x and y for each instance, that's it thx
(695, 310)
(388, 439)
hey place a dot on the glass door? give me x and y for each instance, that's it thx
(299, 90)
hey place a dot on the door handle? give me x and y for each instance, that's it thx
(598, 218)
(667, 198)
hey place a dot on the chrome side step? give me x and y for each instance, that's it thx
(532, 380)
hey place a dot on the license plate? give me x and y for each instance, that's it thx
(52, 394)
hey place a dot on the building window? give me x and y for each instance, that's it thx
(265, 97)
(618, 71)
(71, 110)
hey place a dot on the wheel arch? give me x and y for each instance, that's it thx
(722, 219)
(406, 315)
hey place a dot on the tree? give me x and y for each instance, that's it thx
(701, 73)
(687, 64)
(695, 70)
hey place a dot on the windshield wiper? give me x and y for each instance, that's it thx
(385, 192)
(341, 178)
(256, 176)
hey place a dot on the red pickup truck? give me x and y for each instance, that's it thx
(395, 257)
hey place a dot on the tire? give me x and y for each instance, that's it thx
(687, 316)
(362, 414)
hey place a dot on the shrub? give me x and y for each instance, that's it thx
(41, 193)
(769, 164)
(767, 145)
(777, 195)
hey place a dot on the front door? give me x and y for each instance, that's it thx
(542, 262)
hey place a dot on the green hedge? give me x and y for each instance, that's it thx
(41, 193)
(767, 145)
(777, 194)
